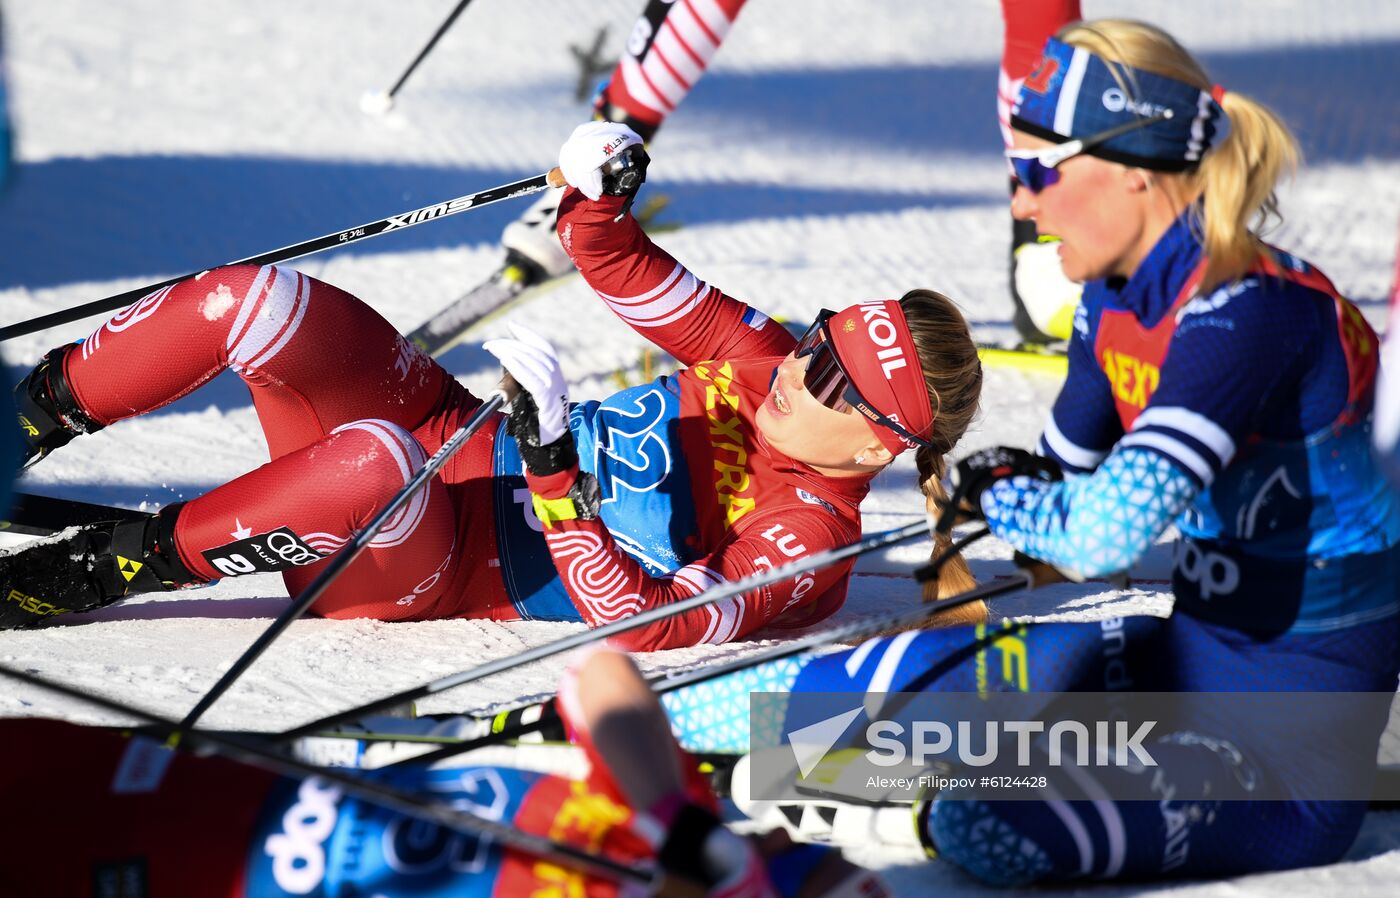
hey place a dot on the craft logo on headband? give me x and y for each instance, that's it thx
(1074, 94)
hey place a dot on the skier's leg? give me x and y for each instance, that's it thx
(1016, 843)
(667, 51)
(313, 356)
(1225, 751)
(87, 567)
(287, 516)
(1043, 298)
(294, 511)
(1049, 657)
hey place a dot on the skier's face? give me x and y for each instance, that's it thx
(794, 422)
(1096, 209)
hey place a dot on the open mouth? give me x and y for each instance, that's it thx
(780, 399)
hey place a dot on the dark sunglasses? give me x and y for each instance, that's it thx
(1036, 169)
(826, 379)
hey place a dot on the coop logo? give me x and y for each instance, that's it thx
(1115, 100)
(880, 327)
(297, 852)
(427, 213)
(1212, 573)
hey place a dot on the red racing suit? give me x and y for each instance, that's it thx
(350, 409)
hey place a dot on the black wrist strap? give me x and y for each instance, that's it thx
(684, 851)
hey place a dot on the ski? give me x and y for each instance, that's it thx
(442, 331)
(35, 515)
(1032, 358)
(515, 281)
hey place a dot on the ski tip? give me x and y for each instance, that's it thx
(1055, 364)
(375, 102)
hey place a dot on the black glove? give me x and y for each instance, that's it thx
(974, 474)
(625, 173)
(524, 425)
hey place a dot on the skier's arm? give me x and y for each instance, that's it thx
(640, 282)
(1096, 524)
(1083, 424)
(607, 585)
(1218, 383)
(604, 582)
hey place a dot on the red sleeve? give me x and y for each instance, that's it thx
(94, 810)
(657, 295)
(606, 584)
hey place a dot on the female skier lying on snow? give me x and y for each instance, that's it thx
(1217, 384)
(758, 453)
(194, 827)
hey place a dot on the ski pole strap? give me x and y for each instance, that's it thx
(708, 597)
(551, 511)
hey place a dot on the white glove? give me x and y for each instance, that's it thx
(535, 366)
(590, 146)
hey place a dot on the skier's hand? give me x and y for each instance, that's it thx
(589, 160)
(539, 414)
(700, 849)
(974, 474)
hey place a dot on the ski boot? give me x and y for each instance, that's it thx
(846, 815)
(88, 567)
(49, 415)
(532, 244)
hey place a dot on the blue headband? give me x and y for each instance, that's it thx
(1072, 94)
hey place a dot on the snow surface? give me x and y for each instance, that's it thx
(835, 152)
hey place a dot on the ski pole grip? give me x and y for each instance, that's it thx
(509, 387)
(556, 178)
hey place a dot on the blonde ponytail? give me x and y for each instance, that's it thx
(1236, 182)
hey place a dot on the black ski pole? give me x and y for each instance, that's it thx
(349, 553)
(708, 597)
(862, 629)
(377, 104)
(260, 754)
(297, 250)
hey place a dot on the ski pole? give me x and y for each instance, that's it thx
(295, 251)
(256, 753)
(542, 717)
(382, 102)
(862, 629)
(708, 597)
(351, 551)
